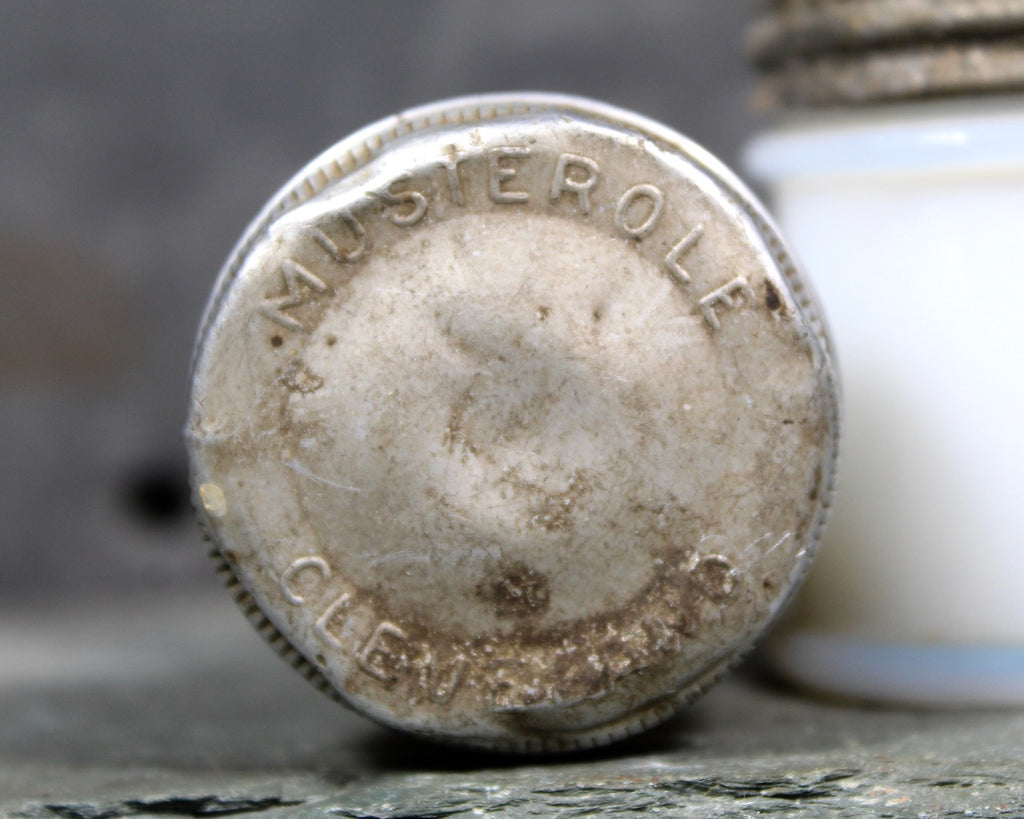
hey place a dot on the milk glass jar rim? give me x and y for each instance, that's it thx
(928, 136)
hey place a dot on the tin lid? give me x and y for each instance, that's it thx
(512, 423)
(813, 53)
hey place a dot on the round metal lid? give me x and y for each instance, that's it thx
(512, 423)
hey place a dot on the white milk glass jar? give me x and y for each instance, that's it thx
(909, 217)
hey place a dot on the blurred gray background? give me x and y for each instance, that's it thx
(137, 141)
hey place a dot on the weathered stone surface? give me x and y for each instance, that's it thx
(175, 709)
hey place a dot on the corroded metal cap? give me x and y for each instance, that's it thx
(512, 423)
(842, 52)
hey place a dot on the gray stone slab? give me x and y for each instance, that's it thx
(175, 707)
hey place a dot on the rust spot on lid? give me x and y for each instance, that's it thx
(519, 591)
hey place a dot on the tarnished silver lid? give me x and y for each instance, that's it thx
(847, 52)
(512, 423)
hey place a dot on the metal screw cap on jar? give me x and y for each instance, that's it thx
(512, 423)
(822, 53)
